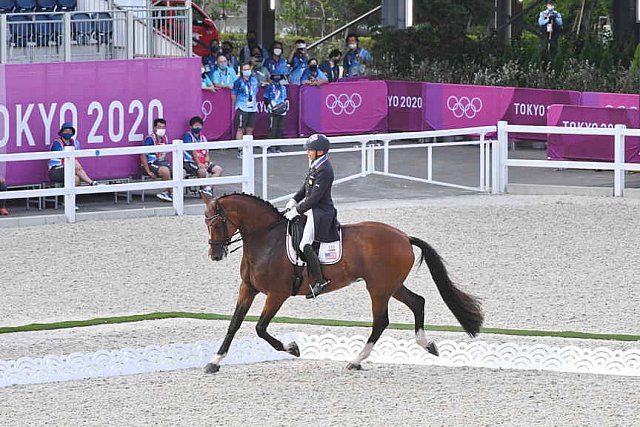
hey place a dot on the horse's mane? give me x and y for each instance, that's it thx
(256, 198)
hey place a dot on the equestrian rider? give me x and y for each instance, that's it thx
(314, 201)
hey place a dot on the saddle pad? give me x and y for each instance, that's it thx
(329, 253)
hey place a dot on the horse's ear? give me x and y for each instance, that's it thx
(205, 197)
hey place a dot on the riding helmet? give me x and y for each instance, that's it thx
(317, 141)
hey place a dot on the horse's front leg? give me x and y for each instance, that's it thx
(245, 299)
(271, 307)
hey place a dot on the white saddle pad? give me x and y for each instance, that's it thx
(329, 253)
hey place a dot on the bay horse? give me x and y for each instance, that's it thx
(377, 253)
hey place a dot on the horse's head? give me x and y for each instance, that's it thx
(221, 228)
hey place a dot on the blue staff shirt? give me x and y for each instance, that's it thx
(313, 75)
(245, 89)
(224, 77)
(276, 93)
(58, 145)
(352, 67)
(153, 140)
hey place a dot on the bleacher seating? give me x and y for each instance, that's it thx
(81, 27)
(7, 6)
(103, 27)
(66, 5)
(46, 5)
(21, 29)
(46, 30)
(25, 6)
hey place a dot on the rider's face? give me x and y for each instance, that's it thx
(314, 154)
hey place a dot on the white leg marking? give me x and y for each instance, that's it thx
(366, 351)
(217, 358)
(421, 338)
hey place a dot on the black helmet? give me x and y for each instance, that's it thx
(317, 141)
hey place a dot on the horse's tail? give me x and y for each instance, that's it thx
(465, 307)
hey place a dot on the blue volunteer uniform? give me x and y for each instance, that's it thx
(272, 64)
(225, 76)
(313, 75)
(246, 92)
(153, 140)
(353, 67)
(275, 94)
(58, 145)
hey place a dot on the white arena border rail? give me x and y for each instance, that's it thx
(619, 133)
(479, 354)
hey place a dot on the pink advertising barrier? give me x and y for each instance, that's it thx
(590, 147)
(405, 103)
(344, 108)
(610, 100)
(111, 103)
(291, 120)
(217, 114)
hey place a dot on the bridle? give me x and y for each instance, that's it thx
(226, 241)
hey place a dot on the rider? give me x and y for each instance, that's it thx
(314, 201)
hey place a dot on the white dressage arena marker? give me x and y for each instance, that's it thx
(481, 354)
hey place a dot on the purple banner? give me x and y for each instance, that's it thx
(406, 106)
(459, 106)
(590, 147)
(344, 108)
(217, 114)
(611, 100)
(111, 104)
(290, 121)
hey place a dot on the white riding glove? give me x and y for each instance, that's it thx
(291, 204)
(291, 214)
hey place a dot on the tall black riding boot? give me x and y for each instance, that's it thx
(313, 264)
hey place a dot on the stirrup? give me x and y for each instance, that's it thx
(317, 289)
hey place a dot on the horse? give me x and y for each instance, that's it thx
(266, 268)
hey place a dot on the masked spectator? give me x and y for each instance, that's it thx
(259, 71)
(248, 50)
(356, 58)
(227, 50)
(197, 162)
(275, 61)
(156, 165)
(298, 61)
(243, 97)
(275, 99)
(313, 76)
(331, 66)
(550, 21)
(209, 61)
(56, 166)
(224, 76)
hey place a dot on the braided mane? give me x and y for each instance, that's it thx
(256, 198)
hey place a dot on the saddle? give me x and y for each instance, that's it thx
(328, 252)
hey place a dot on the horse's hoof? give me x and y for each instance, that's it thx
(431, 348)
(354, 367)
(211, 368)
(293, 349)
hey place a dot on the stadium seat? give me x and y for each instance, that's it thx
(81, 27)
(66, 5)
(7, 6)
(21, 29)
(44, 30)
(103, 26)
(46, 5)
(25, 5)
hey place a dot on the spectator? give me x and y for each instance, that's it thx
(3, 202)
(550, 22)
(356, 58)
(259, 71)
(207, 84)
(275, 99)
(275, 61)
(313, 76)
(156, 165)
(227, 50)
(331, 66)
(298, 61)
(248, 51)
(243, 96)
(209, 61)
(224, 76)
(197, 162)
(56, 166)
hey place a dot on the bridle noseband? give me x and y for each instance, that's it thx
(226, 238)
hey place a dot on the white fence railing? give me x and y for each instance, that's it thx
(618, 166)
(493, 161)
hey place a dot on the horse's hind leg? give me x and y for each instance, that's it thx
(245, 299)
(271, 307)
(416, 303)
(380, 308)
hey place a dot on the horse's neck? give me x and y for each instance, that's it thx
(252, 218)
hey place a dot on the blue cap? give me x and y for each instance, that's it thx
(67, 125)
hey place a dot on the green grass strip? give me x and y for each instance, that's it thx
(305, 321)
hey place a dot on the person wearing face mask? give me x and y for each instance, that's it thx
(259, 71)
(313, 76)
(550, 21)
(209, 61)
(275, 61)
(331, 66)
(227, 51)
(224, 76)
(298, 61)
(56, 166)
(243, 97)
(248, 50)
(356, 58)
(275, 98)
(197, 162)
(156, 165)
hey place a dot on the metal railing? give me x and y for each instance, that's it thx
(618, 133)
(78, 36)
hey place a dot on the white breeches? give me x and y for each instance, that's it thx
(309, 230)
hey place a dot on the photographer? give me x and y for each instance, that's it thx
(550, 22)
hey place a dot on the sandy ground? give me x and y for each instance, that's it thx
(556, 263)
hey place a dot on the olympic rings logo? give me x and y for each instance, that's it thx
(207, 109)
(343, 103)
(464, 106)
